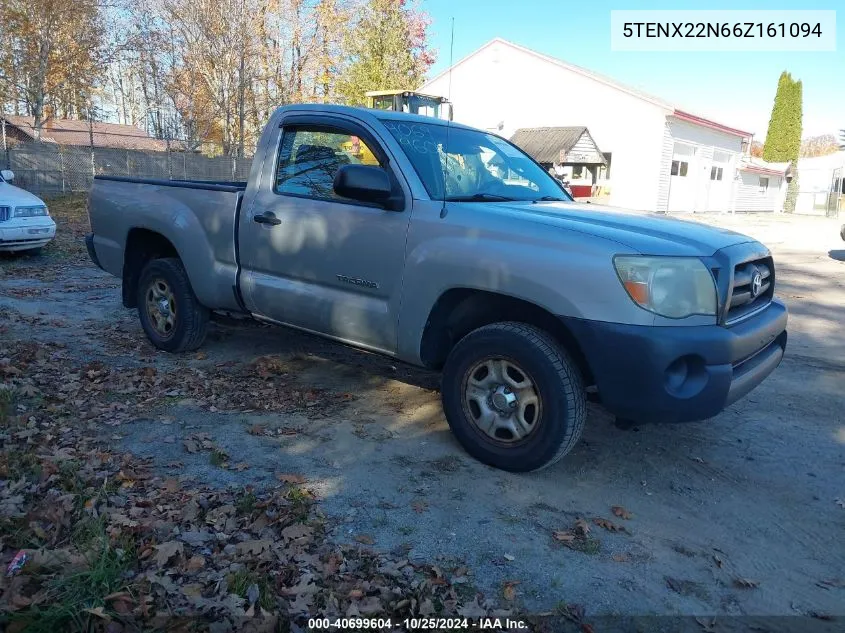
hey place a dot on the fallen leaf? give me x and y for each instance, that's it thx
(621, 558)
(621, 512)
(419, 506)
(256, 429)
(609, 525)
(166, 551)
(356, 594)
(366, 539)
(508, 591)
(745, 583)
(196, 563)
(565, 536)
(836, 583)
(290, 478)
(203, 356)
(297, 531)
(241, 466)
(254, 547)
(99, 612)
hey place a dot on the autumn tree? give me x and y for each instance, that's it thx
(783, 138)
(49, 56)
(386, 49)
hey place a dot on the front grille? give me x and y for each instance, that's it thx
(745, 297)
(5, 213)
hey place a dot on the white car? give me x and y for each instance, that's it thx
(25, 222)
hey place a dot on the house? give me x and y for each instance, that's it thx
(760, 186)
(20, 129)
(568, 153)
(661, 158)
(821, 181)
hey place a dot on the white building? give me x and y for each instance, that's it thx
(818, 178)
(661, 158)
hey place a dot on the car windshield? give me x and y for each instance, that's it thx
(476, 166)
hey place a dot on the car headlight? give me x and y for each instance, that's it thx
(674, 287)
(31, 212)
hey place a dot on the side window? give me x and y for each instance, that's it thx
(310, 158)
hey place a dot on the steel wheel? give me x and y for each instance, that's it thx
(502, 400)
(161, 307)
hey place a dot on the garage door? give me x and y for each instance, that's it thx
(682, 178)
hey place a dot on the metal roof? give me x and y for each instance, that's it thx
(545, 144)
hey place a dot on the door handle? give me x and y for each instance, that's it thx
(268, 217)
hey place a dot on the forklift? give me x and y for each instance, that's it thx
(410, 101)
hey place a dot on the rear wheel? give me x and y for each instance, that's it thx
(513, 397)
(172, 317)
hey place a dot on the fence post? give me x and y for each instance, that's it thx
(169, 157)
(62, 166)
(91, 140)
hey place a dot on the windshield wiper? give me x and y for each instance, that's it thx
(549, 199)
(480, 197)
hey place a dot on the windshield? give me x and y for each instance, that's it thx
(477, 166)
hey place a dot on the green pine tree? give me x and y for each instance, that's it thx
(783, 138)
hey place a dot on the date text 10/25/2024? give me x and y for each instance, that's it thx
(416, 624)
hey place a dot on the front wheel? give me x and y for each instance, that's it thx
(513, 397)
(172, 317)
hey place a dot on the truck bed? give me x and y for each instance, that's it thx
(198, 218)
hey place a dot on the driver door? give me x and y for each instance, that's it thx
(321, 262)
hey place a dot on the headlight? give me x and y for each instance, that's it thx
(31, 212)
(674, 287)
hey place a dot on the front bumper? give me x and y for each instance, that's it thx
(25, 236)
(680, 374)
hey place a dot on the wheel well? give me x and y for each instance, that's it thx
(142, 245)
(461, 310)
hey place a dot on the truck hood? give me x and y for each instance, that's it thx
(11, 196)
(644, 232)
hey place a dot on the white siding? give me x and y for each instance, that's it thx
(705, 194)
(504, 84)
(749, 197)
(665, 166)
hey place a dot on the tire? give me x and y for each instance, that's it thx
(558, 389)
(167, 279)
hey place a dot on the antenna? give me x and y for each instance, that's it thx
(449, 121)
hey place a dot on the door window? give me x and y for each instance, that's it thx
(679, 168)
(310, 158)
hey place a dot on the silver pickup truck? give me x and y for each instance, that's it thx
(450, 248)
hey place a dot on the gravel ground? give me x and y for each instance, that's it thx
(741, 514)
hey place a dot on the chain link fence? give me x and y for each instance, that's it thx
(49, 168)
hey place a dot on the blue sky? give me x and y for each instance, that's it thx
(733, 88)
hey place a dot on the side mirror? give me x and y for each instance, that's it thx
(7, 174)
(365, 183)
